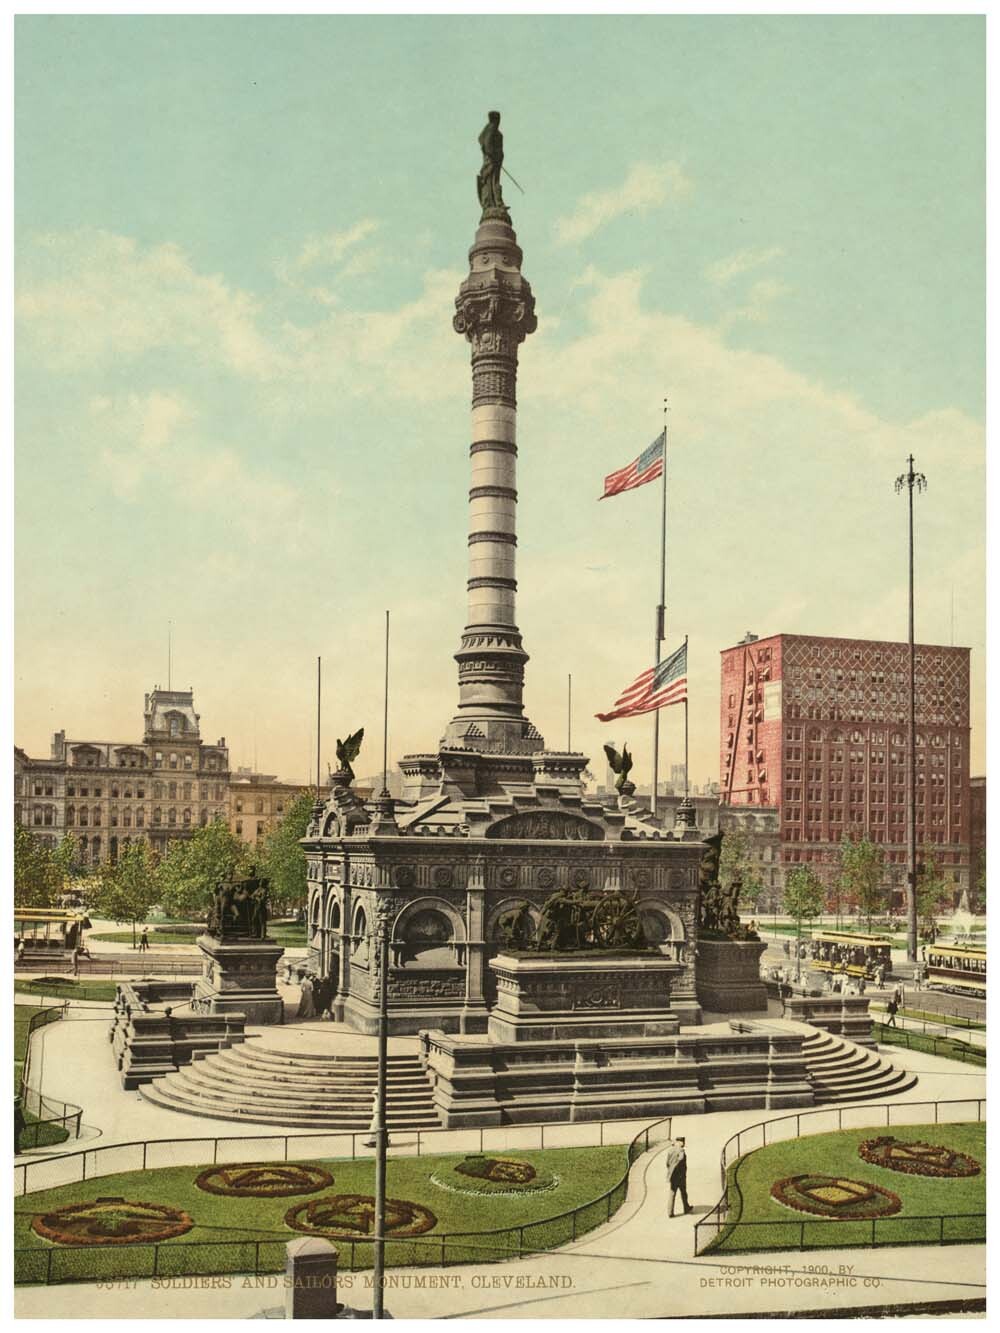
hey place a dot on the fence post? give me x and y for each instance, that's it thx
(156, 1261)
(443, 1240)
(84, 1174)
(941, 1230)
(520, 1239)
(873, 1233)
(48, 1267)
(573, 1215)
(145, 1145)
(215, 1152)
(802, 1237)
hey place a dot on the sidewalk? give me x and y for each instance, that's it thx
(639, 1265)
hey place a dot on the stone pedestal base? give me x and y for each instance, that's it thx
(239, 977)
(727, 976)
(560, 997)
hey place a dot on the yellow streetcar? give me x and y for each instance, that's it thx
(961, 969)
(48, 930)
(847, 952)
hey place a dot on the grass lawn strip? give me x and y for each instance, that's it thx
(946, 1048)
(38, 1134)
(924, 1199)
(584, 1175)
(67, 988)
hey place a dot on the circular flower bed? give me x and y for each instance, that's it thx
(264, 1181)
(496, 1176)
(353, 1216)
(835, 1197)
(916, 1158)
(111, 1221)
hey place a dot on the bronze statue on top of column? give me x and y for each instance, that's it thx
(488, 181)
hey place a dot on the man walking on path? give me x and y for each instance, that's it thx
(890, 1009)
(144, 940)
(677, 1170)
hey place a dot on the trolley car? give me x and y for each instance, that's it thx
(846, 952)
(955, 968)
(48, 931)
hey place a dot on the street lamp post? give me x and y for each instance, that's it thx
(911, 480)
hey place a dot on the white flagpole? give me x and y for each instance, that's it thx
(660, 615)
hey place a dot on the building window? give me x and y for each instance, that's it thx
(140, 818)
(260, 828)
(171, 816)
(260, 807)
(239, 826)
(83, 817)
(157, 815)
(158, 759)
(140, 793)
(239, 807)
(114, 791)
(113, 818)
(187, 761)
(97, 791)
(187, 818)
(172, 790)
(127, 818)
(97, 815)
(173, 760)
(38, 815)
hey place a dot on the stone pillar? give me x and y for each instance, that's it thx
(495, 310)
(311, 1279)
(473, 1017)
(344, 960)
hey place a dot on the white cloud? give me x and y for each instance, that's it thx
(134, 430)
(742, 261)
(328, 250)
(646, 186)
(88, 298)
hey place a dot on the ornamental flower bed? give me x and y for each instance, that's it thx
(916, 1158)
(835, 1197)
(264, 1181)
(111, 1221)
(498, 1177)
(352, 1216)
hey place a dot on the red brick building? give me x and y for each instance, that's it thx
(816, 730)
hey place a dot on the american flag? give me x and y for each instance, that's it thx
(647, 467)
(656, 688)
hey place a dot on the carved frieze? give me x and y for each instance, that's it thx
(554, 824)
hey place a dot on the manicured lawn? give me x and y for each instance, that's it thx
(287, 933)
(924, 1199)
(67, 988)
(44, 1134)
(948, 1048)
(571, 1176)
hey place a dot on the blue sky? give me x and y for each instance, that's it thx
(241, 406)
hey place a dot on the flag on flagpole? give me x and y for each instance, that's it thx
(647, 467)
(656, 688)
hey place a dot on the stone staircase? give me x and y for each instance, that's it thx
(257, 1084)
(840, 1071)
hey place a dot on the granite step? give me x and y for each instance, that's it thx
(841, 1071)
(261, 1085)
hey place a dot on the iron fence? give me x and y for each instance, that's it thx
(717, 1225)
(52, 1121)
(96, 1263)
(949, 1048)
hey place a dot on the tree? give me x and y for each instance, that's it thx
(36, 874)
(803, 900)
(862, 875)
(932, 892)
(978, 895)
(738, 860)
(128, 888)
(191, 869)
(282, 859)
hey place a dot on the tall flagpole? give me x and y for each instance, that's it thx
(660, 614)
(569, 714)
(686, 719)
(319, 695)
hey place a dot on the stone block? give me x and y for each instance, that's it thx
(311, 1279)
(727, 976)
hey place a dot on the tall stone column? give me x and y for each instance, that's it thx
(495, 310)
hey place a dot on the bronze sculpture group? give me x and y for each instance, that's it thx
(720, 918)
(239, 907)
(576, 919)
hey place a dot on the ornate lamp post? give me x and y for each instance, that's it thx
(911, 481)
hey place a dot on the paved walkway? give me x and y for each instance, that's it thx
(639, 1265)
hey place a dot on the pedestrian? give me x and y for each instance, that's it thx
(20, 1124)
(786, 945)
(76, 961)
(677, 1175)
(20, 951)
(891, 1009)
(861, 985)
(923, 953)
(144, 940)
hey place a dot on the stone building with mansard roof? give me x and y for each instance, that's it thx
(109, 793)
